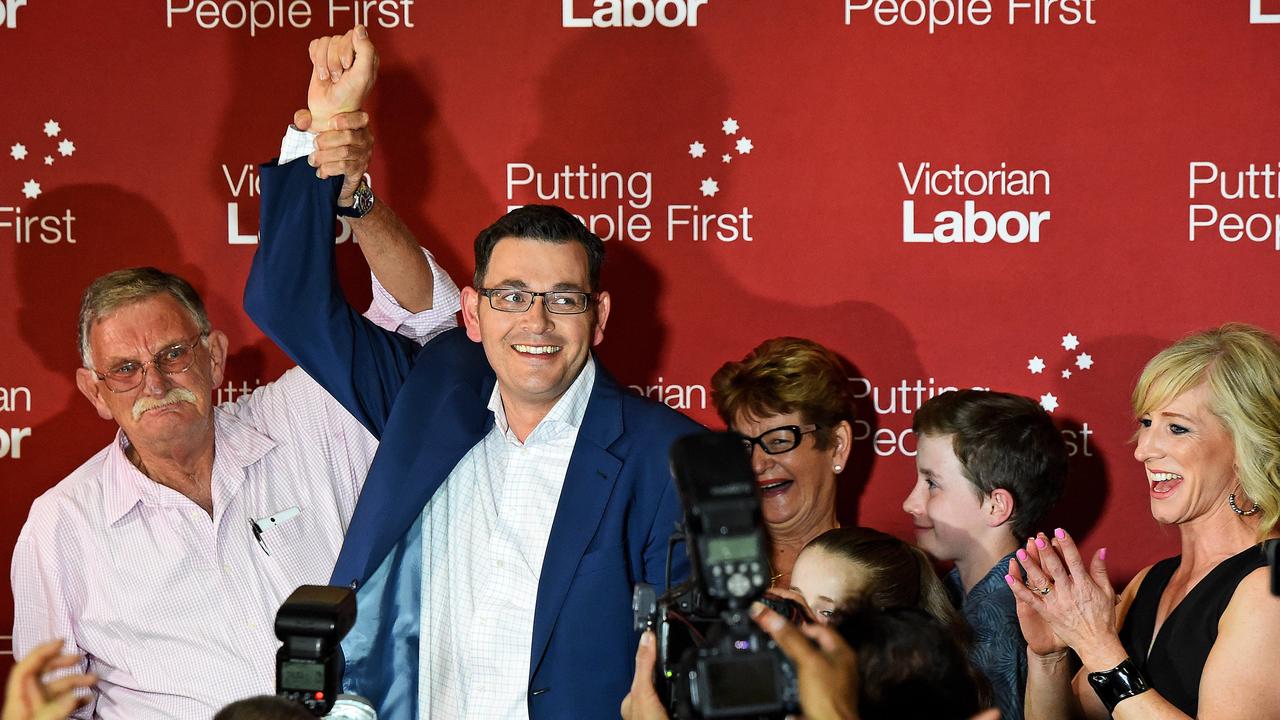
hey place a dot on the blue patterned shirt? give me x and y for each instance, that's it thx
(998, 650)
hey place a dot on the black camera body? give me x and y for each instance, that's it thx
(713, 660)
(311, 624)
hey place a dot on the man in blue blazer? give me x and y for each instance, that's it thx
(518, 492)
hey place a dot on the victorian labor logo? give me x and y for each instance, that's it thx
(53, 143)
(723, 148)
(631, 13)
(34, 160)
(624, 204)
(974, 206)
(735, 145)
(1076, 360)
(9, 13)
(13, 399)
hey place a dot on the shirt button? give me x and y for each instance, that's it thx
(500, 564)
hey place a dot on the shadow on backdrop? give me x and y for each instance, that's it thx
(617, 117)
(113, 229)
(1093, 400)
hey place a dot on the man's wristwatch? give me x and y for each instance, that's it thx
(361, 201)
(1120, 682)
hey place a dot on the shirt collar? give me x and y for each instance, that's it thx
(122, 482)
(993, 581)
(566, 414)
(236, 447)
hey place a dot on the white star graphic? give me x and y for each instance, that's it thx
(730, 126)
(744, 146)
(710, 187)
(52, 128)
(18, 151)
(1035, 365)
(1070, 342)
(66, 147)
(1048, 402)
(48, 159)
(697, 149)
(1066, 374)
(31, 189)
(1084, 361)
(726, 158)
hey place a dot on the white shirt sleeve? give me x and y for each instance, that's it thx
(42, 612)
(385, 312)
(296, 144)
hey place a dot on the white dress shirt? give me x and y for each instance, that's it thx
(484, 536)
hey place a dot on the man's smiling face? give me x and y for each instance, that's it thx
(535, 354)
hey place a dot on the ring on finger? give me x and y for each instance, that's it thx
(1041, 590)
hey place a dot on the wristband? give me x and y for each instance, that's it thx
(1120, 682)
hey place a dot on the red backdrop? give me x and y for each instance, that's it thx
(949, 193)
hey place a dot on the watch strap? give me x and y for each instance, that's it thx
(1120, 682)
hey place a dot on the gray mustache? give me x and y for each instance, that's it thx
(176, 395)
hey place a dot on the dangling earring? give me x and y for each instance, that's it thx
(838, 468)
(1231, 500)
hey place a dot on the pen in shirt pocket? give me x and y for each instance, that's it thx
(261, 524)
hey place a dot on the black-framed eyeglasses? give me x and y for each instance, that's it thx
(776, 441)
(172, 360)
(557, 302)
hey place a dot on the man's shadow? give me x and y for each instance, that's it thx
(576, 128)
(51, 280)
(575, 120)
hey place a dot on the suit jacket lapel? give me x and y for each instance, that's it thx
(588, 484)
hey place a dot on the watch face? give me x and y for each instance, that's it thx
(363, 199)
(361, 202)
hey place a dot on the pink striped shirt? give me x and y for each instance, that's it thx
(174, 611)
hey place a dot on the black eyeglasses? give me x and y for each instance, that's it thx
(776, 441)
(172, 360)
(557, 302)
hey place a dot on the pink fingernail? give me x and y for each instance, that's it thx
(1040, 543)
(1009, 579)
(1022, 554)
(1102, 554)
(1060, 533)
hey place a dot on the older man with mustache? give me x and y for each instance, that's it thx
(163, 559)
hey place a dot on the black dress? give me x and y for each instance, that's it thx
(1177, 657)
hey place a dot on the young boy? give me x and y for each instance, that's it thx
(989, 466)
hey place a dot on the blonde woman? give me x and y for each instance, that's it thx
(1196, 635)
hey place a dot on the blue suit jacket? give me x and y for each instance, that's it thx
(428, 407)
